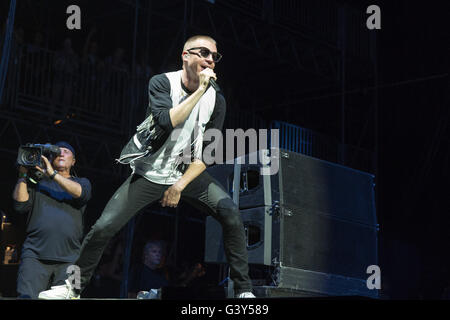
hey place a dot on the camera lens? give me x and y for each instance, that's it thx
(30, 157)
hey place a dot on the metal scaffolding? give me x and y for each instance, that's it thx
(320, 46)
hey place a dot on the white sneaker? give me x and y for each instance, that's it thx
(62, 292)
(245, 295)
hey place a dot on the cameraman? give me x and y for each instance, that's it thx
(54, 232)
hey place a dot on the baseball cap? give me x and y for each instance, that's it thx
(64, 144)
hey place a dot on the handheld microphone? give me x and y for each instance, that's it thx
(214, 84)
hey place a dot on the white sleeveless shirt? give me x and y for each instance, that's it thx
(161, 166)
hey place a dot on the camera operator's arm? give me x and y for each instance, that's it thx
(20, 193)
(22, 197)
(72, 187)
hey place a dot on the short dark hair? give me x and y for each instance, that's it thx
(194, 38)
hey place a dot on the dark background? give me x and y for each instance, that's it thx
(397, 108)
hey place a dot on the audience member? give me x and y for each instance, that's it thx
(66, 64)
(150, 273)
(92, 68)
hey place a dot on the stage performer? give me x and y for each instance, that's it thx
(183, 100)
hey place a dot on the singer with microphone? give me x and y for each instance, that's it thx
(189, 101)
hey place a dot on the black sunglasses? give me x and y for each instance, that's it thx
(205, 52)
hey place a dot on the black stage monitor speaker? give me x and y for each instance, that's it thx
(313, 219)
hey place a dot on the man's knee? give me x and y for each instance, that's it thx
(229, 214)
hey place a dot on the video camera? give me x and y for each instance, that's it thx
(29, 156)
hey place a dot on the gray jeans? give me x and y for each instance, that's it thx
(37, 275)
(205, 193)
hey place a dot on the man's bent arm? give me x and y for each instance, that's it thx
(172, 195)
(20, 193)
(71, 187)
(182, 111)
(193, 171)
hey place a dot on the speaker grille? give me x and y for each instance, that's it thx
(325, 244)
(325, 188)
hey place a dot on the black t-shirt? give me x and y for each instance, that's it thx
(55, 222)
(143, 279)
